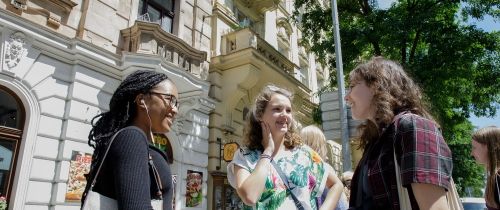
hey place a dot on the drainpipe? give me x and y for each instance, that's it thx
(83, 17)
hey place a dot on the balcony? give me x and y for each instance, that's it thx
(149, 38)
(260, 5)
(246, 39)
(247, 62)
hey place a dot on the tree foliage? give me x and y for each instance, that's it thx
(457, 65)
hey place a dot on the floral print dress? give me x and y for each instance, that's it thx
(305, 171)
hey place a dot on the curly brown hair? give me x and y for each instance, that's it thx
(252, 135)
(490, 136)
(394, 92)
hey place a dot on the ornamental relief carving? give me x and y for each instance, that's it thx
(15, 49)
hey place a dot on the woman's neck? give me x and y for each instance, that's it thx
(279, 144)
(144, 128)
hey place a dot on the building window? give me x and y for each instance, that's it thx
(11, 124)
(158, 11)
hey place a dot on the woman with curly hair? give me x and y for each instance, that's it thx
(486, 151)
(397, 124)
(275, 170)
(132, 170)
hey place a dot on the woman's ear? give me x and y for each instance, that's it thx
(139, 101)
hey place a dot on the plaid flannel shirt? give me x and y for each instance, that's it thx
(423, 155)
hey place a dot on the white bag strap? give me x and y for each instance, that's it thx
(404, 198)
(498, 189)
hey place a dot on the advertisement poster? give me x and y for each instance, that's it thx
(78, 166)
(194, 193)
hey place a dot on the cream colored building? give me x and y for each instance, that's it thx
(61, 60)
(254, 42)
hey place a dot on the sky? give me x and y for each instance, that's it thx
(487, 24)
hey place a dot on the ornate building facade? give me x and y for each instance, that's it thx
(254, 43)
(61, 60)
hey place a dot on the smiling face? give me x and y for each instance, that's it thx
(360, 98)
(278, 114)
(162, 107)
(480, 152)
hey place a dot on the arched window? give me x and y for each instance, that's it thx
(12, 116)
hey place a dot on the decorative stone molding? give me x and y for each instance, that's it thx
(199, 103)
(53, 20)
(260, 5)
(246, 38)
(66, 5)
(19, 4)
(149, 38)
(15, 49)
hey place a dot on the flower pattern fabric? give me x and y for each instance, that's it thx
(305, 171)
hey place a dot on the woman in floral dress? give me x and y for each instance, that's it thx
(271, 141)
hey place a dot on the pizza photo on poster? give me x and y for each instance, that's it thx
(194, 195)
(79, 166)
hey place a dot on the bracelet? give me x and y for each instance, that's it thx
(266, 156)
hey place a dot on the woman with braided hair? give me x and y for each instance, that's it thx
(133, 170)
(486, 151)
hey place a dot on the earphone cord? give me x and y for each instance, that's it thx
(150, 132)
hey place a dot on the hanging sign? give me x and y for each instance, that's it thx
(229, 150)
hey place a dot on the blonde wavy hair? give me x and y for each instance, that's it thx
(394, 92)
(313, 137)
(490, 136)
(252, 134)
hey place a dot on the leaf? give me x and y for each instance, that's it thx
(299, 176)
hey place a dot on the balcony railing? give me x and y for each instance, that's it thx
(260, 5)
(148, 38)
(246, 38)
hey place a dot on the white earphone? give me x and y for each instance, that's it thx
(145, 106)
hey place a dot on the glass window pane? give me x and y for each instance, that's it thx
(167, 4)
(154, 14)
(6, 156)
(141, 7)
(166, 24)
(10, 114)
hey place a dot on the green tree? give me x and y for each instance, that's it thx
(457, 65)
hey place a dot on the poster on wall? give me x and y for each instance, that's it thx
(78, 166)
(194, 193)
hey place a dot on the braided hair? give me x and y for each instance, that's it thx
(122, 111)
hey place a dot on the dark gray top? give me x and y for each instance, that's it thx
(126, 175)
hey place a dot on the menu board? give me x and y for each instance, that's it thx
(78, 167)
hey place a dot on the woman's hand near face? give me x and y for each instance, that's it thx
(267, 139)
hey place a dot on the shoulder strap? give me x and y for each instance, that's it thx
(104, 157)
(285, 181)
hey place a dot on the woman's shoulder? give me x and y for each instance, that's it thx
(250, 155)
(411, 121)
(130, 135)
